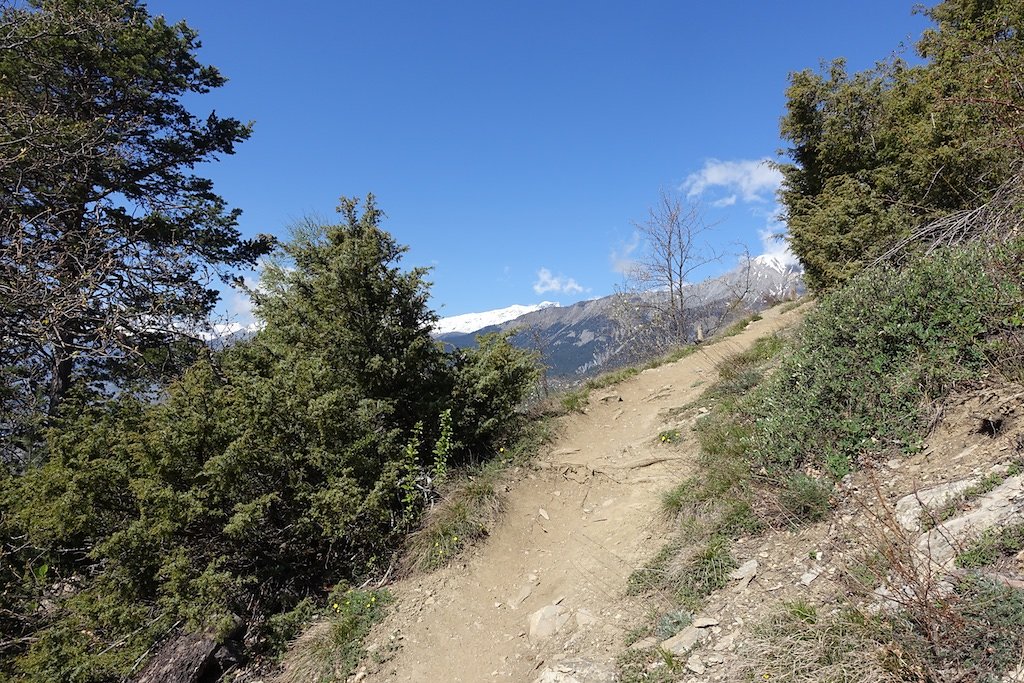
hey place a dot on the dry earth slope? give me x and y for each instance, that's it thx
(547, 589)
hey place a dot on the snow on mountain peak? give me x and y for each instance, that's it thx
(773, 262)
(471, 322)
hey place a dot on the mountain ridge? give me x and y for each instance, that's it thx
(589, 336)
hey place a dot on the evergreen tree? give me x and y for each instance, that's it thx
(292, 461)
(878, 152)
(108, 241)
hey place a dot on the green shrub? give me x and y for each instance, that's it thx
(270, 469)
(804, 498)
(994, 544)
(492, 381)
(872, 355)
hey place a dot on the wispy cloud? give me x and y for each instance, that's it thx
(749, 180)
(549, 282)
(774, 245)
(238, 303)
(622, 255)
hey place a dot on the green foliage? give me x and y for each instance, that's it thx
(332, 649)
(100, 160)
(994, 544)
(296, 460)
(575, 401)
(740, 325)
(689, 582)
(980, 637)
(804, 498)
(877, 152)
(466, 512)
(672, 623)
(284, 627)
(930, 518)
(871, 356)
(655, 573)
(993, 630)
(707, 571)
(802, 611)
(670, 436)
(443, 448)
(646, 666)
(492, 381)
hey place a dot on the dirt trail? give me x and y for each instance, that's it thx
(576, 525)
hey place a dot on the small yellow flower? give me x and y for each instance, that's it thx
(455, 538)
(335, 605)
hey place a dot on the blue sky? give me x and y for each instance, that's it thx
(513, 144)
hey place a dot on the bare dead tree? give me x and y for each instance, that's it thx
(658, 306)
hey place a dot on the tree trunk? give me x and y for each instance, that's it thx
(60, 382)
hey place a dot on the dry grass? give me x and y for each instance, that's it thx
(311, 658)
(797, 645)
(331, 649)
(468, 509)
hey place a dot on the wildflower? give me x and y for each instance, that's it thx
(335, 606)
(455, 538)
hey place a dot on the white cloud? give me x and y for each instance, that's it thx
(548, 282)
(622, 256)
(751, 180)
(238, 304)
(775, 246)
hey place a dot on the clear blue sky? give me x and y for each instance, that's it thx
(503, 138)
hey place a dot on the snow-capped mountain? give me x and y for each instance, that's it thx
(775, 263)
(589, 336)
(470, 322)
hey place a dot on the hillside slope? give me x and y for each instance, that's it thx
(576, 526)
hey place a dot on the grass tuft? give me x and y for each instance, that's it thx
(332, 648)
(993, 545)
(465, 515)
